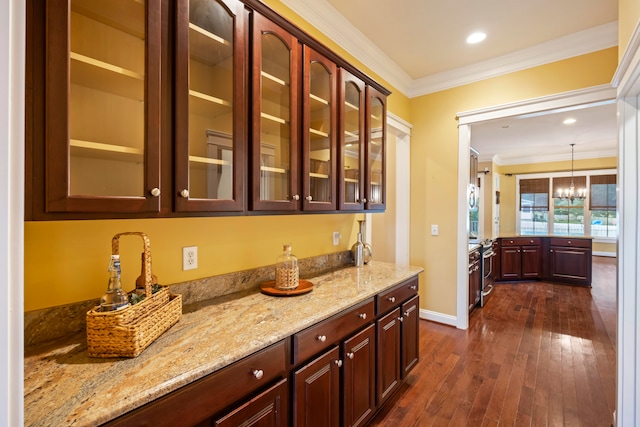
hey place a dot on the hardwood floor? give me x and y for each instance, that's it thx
(538, 354)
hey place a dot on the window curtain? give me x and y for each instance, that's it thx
(565, 182)
(535, 194)
(602, 194)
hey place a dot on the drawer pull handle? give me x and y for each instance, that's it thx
(392, 299)
(363, 316)
(185, 193)
(155, 192)
(339, 363)
(258, 374)
(569, 242)
(350, 355)
(551, 250)
(407, 313)
(322, 338)
(414, 287)
(532, 241)
(510, 241)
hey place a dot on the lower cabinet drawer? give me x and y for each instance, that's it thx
(568, 242)
(396, 295)
(316, 338)
(269, 408)
(204, 398)
(519, 241)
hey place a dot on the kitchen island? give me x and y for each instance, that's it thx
(64, 386)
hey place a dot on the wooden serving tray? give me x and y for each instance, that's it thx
(268, 287)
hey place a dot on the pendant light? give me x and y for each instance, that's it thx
(571, 193)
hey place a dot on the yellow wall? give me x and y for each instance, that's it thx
(628, 17)
(434, 158)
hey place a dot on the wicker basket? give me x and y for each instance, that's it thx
(127, 332)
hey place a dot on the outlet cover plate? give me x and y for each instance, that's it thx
(189, 257)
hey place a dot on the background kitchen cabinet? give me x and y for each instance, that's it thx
(410, 334)
(268, 409)
(100, 70)
(275, 74)
(359, 355)
(319, 132)
(570, 260)
(210, 136)
(521, 258)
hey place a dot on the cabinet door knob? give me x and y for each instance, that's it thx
(569, 242)
(309, 198)
(400, 319)
(257, 373)
(155, 192)
(510, 241)
(322, 338)
(532, 241)
(350, 355)
(413, 287)
(363, 316)
(364, 200)
(406, 314)
(184, 193)
(392, 299)
(551, 250)
(296, 197)
(339, 363)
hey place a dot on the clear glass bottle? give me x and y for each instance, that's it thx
(287, 273)
(115, 298)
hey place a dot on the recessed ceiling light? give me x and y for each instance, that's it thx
(569, 121)
(476, 37)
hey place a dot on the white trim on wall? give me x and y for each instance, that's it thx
(12, 122)
(434, 316)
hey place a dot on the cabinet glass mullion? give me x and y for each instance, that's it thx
(319, 132)
(275, 141)
(209, 102)
(102, 120)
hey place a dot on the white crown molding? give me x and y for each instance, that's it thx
(580, 43)
(506, 160)
(627, 74)
(334, 25)
(396, 122)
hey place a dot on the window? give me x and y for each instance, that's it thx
(539, 210)
(568, 215)
(534, 206)
(602, 204)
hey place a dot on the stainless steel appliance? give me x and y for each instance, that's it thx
(488, 255)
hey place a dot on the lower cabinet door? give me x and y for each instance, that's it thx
(359, 377)
(571, 265)
(388, 360)
(268, 409)
(316, 391)
(410, 334)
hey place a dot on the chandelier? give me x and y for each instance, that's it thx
(571, 193)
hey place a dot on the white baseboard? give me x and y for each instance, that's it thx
(434, 316)
(609, 254)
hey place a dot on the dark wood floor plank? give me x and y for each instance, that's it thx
(538, 354)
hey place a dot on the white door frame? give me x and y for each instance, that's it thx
(465, 120)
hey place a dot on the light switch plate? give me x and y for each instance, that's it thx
(434, 229)
(336, 238)
(189, 257)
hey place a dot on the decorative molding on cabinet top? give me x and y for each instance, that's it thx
(334, 25)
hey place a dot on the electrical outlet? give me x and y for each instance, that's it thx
(434, 229)
(189, 257)
(336, 238)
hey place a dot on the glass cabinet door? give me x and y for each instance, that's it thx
(376, 138)
(352, 139)
(102, 105)
(209, 101)
(319, 132)
(275, 142)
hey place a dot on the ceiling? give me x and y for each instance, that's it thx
(419, 47)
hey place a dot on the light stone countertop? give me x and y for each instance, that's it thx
(63, 386)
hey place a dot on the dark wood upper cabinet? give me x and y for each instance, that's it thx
(101, 139)
(375, 149)
(159, 108)
(319, 132)
(210, 105)
(352, 141)
(275, 128)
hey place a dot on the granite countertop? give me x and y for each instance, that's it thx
(64, 386)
